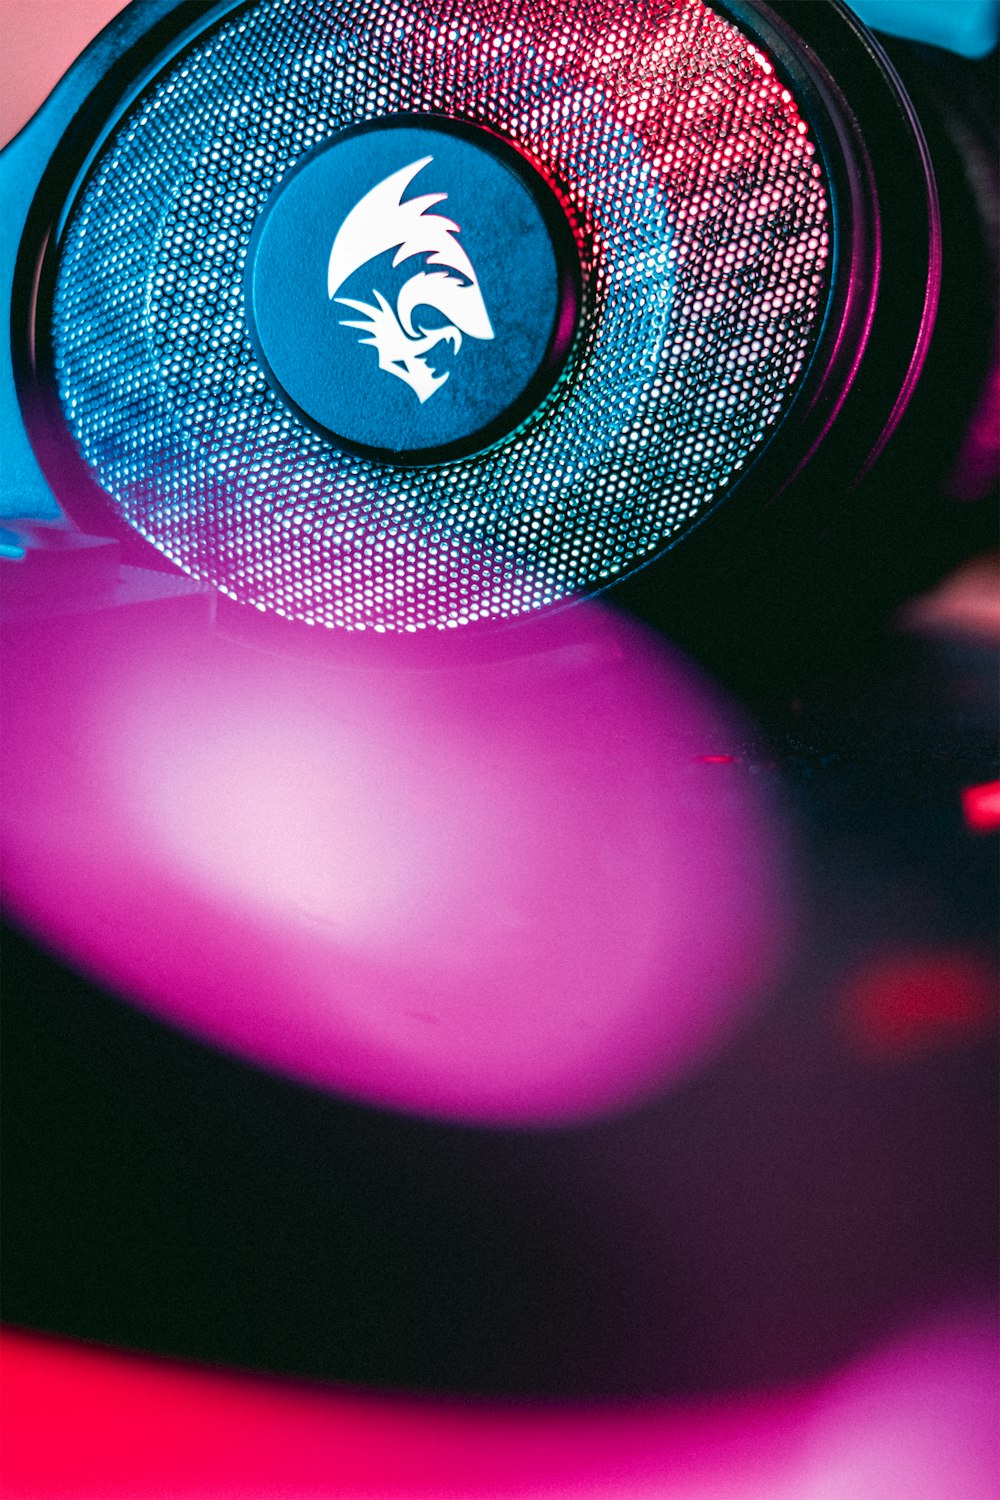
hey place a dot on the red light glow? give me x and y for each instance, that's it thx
(981, 806)
(908, 1003)
(915, 1419)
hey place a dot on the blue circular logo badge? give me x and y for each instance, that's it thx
(413, 289)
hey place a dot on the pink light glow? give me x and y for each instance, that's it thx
(914, 1420)
(504, 893)
(38, 47)
(967, 603)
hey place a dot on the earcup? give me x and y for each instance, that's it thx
(744, 288)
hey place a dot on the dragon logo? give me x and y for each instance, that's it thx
(379, 222)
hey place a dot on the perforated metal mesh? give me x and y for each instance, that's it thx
(694, 176)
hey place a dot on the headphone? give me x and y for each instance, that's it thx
(387, 330)
(399, 325)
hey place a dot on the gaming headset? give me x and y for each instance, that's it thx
(417, 319)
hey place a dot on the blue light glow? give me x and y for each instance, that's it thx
(11, 549)
(970, 28)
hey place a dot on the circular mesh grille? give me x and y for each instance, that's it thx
(694, 179)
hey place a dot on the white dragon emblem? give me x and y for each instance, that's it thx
(380, 221)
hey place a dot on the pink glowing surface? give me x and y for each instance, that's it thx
(40, 42)
(917, 1419)
(511, 891)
